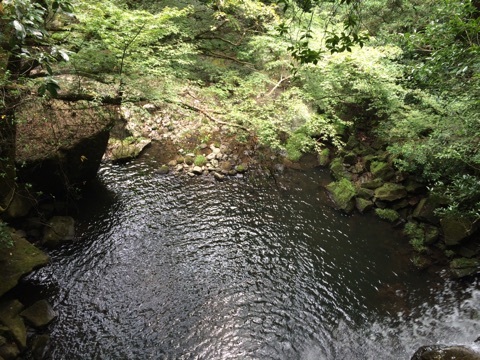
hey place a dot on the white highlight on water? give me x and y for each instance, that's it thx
(451, 319)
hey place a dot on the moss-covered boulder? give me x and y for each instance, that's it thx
(456, 229)
(59, 229)
(461, 267)
(338, 169)
(126, 149)
(39, 314)
(17, 261)
(343, 194)
(10, 317)
(382, 170)
(365, 193)
(390, 192)
(371, 183)
(363, 205)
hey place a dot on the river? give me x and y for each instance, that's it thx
(173, 267)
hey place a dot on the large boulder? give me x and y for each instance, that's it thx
(456, 229)
(126, 149)
(60, 229)
(39, 314)
(10, 317)
(462, 267)
(390, 192)
(60, 144)
(441, 352)
(382, 170)
(342, 193)
(17, 261)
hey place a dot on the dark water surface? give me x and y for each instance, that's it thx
(170, 267)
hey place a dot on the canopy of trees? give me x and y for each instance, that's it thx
(300, 75)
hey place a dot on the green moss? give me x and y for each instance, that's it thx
(416, 234)
(324, 157)
(387, 214)
(343, 192)
(200, 160)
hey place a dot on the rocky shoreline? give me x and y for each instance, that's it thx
(365, 179)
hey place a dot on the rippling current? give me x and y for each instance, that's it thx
(169, 267)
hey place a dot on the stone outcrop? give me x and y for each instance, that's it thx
(60, 144)
(19, 260)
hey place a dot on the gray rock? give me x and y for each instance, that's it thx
(218, 176)
(441, 352)
(211, 156)
(390, 192)
(162, 170)
(39, 314)
(197, 170)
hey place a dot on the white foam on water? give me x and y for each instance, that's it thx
(448, 321)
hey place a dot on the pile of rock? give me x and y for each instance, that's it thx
(366, 179)
(16, 322)
(217, 161)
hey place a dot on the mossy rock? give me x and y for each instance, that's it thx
(324, 157)
(456, 229)
(382, 170)
(372, 184)
(123, 150)
(343, 193)
(338, 170)
(60, 229)
(425, 211)
(365, 193)
(19, 260)
(241, 168)
(390, 192)
(462, 267)
(363, 205)
(200, 160)
(9, 316)
(39, 314)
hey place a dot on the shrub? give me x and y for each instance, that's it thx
(200, 160)
(387, 214)
(6, 240)
(417, 236)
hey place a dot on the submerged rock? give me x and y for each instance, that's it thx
(442, 352)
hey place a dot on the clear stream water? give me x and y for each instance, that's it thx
(169, 267)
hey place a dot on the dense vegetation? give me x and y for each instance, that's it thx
(298, 75)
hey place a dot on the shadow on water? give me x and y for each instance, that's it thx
(172, 267)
